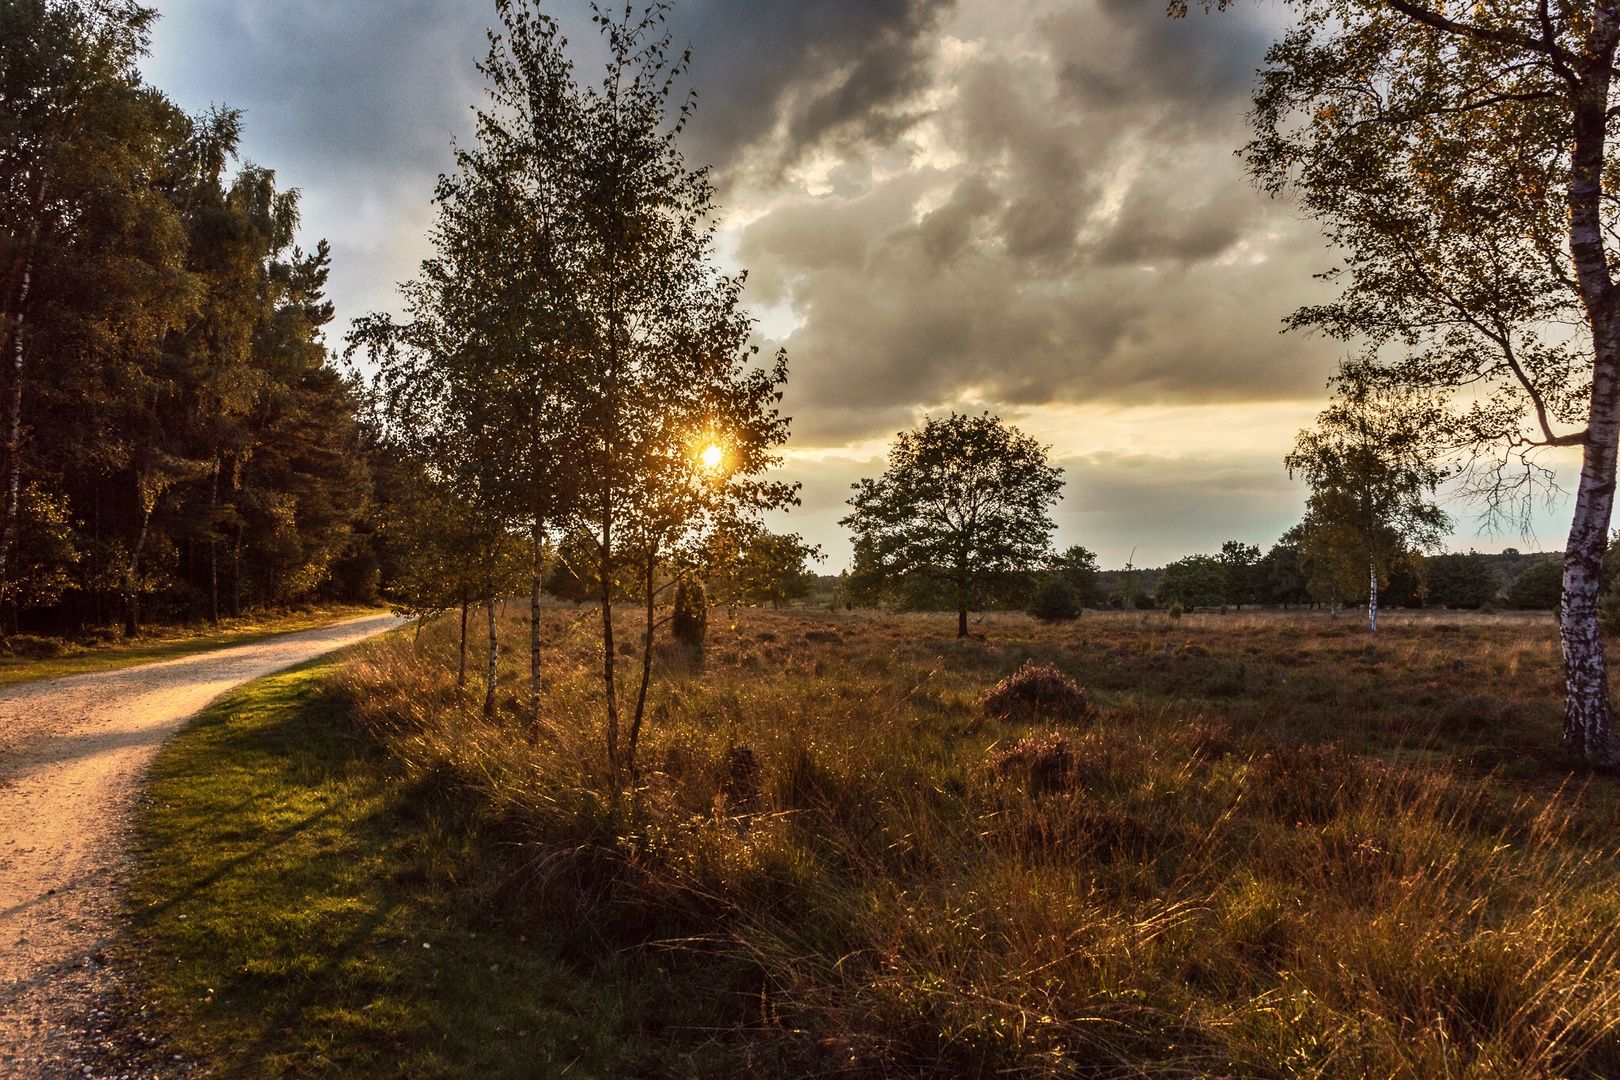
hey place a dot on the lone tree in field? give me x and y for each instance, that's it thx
(964, 504)
(1370, 468)
(1458, 155)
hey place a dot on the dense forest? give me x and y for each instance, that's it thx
(177, 442)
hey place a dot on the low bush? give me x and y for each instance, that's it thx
(1044, 762)
(1055, 601)
(1540, 587)
(1035, 691)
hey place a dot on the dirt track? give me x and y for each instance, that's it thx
(73, 754)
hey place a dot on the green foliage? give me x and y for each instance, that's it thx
(1193, 582)
(963, 506)
(1055, 600)
(773, 568)
(1447, 194)
(445, 553)
(175, 408)
(1539, 587)
(46, 554)
(1459, 581)
(574, 359)
(1077, 566)
(1279, 576)
(1242, 565)
(1370, 466)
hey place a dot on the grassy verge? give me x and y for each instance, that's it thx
(1270, 847)
(72, 657)
(300, 911)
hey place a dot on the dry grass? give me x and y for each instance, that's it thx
(1273, 847)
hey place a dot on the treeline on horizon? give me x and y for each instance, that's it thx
(1235, 578)
(177, 443)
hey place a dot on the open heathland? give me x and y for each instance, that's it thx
(1247, 845)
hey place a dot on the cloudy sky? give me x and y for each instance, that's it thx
(1030, 206)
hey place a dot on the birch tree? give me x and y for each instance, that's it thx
(678, 417)
(1372, 476)
(1459, 156)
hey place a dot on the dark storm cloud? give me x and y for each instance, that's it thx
(780, 76)
(356, 101)
(1024, 203)
(360, 87)
(1070, 226)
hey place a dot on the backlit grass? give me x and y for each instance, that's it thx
(1272, 847)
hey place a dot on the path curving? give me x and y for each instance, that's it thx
(73, 757)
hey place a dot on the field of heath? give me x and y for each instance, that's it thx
(1245, 845)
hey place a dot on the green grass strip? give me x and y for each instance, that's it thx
(299, 913)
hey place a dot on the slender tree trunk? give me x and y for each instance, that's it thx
(1588, 718)
(534, 636)
(646, 665)
(236, 574)
(489, 681)
(132, 598)
(1372, 597)
(8, 536)
(213, 546)
(604, 567)
(461, 675)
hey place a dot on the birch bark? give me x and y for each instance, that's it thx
(1588, 717)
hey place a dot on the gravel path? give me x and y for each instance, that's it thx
(73, 756)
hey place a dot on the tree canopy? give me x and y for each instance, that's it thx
(175, 439)
(1372, 475)
(1458, 158)
(963, 504)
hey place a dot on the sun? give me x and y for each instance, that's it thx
(712, 457)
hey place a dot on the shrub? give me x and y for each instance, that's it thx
(1055, 601)
(1044, 762)
(1196, 581)
(1609, 611)
(1035, 691)
(1541, 586)
(1459, 581)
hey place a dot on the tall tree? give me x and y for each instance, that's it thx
(571, 344)
(1370, 467)
(1458, 154)
(678, 419)
(489, 356)
(964, 504)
